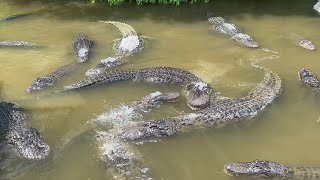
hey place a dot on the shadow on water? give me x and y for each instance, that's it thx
(184, 13)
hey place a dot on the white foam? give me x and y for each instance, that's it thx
(109, 60)
(129, 43)
(119, 116)
(316, 7)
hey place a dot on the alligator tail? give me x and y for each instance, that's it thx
(125, 29)
(80, 35)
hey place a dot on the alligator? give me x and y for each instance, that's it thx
(198, 92)
(221, 111)
(49, 79)
(9, 43)
(15, 16)
(12, 43)
(129, 44)
(13, 129)
(308, 78)
(271, 170)
(83, 47)
(105, 65)
(122, 159)
(302, 42)
(221, 26)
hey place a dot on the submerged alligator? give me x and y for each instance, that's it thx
(220, 112)
(15, 16)
(302, 42)
(221, 26)
(198, 93)
(13, 128)
(83, 47)
(13, 43)
(308, 78)
(129, 44)
(47, 80)
(271, 170)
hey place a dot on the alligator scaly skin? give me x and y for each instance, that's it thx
(271, 170)
(158, 75)
(12, 17)
(221, 26)
(25, 44)
(49, 79)
(27, 141)
(221, 112)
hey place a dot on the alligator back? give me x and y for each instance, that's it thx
(6, 110)
(221, 112)
(233, 110)
(62, 71)
(18, 44)
(12, 17)
(158, 75)
(125, 29)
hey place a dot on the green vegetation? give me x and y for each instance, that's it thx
(140, 2)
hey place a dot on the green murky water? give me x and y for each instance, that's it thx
(287, 131)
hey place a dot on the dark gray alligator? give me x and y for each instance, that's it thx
(83, 47)
(221, 26)
(15, 16)
(308, 78)
(198, 92)
(47, 80)
(13, 128)
(220, 112)
(271, 170)
(123, 159)
(129, 44)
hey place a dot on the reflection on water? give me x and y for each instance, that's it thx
(179, 37)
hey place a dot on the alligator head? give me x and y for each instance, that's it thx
(198, 95)
(258, 168)
(308, 78)
(83, 55)
(104, 65)
(28, 143)
(39, 84)
(245, 40)
(156, 98)
(307, 45)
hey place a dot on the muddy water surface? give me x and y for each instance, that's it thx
(287, 131)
